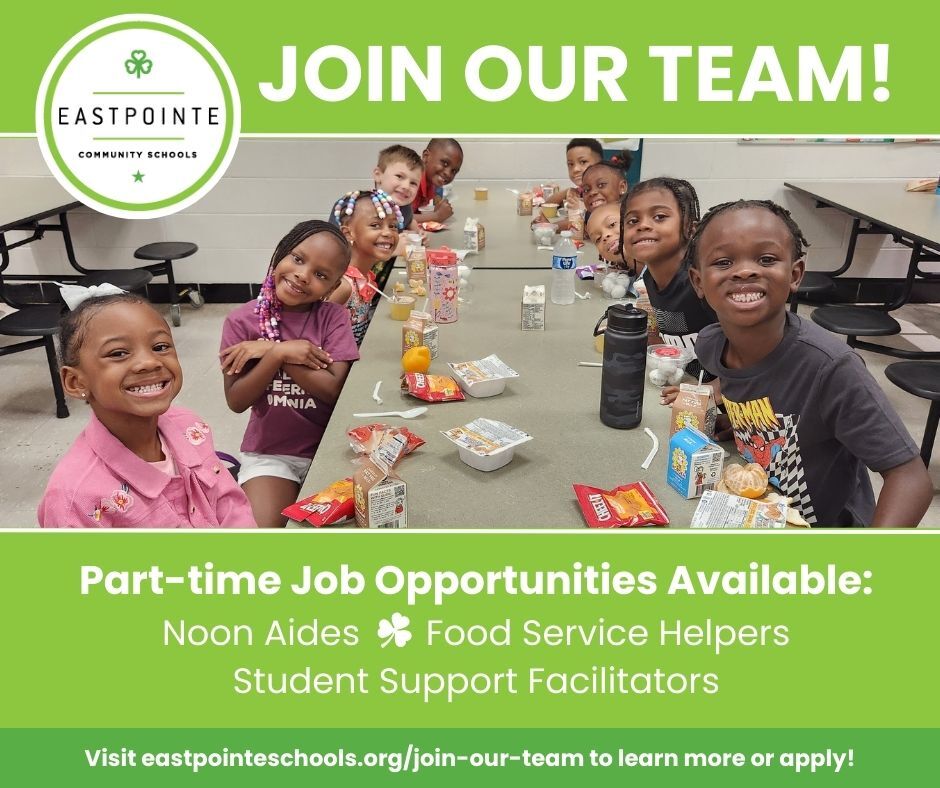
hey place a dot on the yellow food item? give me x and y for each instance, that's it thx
(748, 481)
(416, 359)
(398, 287)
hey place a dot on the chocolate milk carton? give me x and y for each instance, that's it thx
(379, 495)
(419, 329)
(695, 407)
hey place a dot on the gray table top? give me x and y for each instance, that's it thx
(509, 241)
(915, 215)
(30, 199)
(553, 399)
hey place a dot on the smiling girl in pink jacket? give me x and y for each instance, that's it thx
(139, 463)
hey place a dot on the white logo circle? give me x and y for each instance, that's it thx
(138, 116)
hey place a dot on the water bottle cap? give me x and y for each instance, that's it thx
(626, 317)
(566, 233)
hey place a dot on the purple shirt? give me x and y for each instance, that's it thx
(286, 419)
(100, 483)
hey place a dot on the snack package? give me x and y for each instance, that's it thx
(366, 438)
(431, 388)
(626, 506)
(721, 510)
(329, 506)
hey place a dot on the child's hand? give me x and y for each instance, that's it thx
(300, 351)
(235, 357)
(723, 430)
(668, 395)
(444, 210)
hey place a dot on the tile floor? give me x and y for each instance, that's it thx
(32, 438)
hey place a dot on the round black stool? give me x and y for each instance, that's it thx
(167, 252)
(815, 285)
(856, 321)
(130, 279)
(922, 379)
(41, 322)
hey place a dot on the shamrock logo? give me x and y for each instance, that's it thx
(138, 63)
(396, 629)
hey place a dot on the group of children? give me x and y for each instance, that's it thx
(797, 401)
(286, 355)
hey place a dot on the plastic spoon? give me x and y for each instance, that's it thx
(405, 414)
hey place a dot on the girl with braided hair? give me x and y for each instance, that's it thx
(371, 222)
(658, 217)
(286, 356)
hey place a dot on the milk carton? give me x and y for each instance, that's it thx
(694, 463)
(474, 235)
(379, 495)
(419, 329)
(533, 308)
(694, 406)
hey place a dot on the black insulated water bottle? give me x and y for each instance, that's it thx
(624, 371)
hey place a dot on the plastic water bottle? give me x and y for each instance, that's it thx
(564, 259)
(624, 370)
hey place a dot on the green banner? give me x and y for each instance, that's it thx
(496, 68)
(511, 757)
(469, 630)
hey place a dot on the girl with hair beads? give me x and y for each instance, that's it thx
(286, 356)
(139, 463)
(370, 221)
(657, 219)
(801, 403)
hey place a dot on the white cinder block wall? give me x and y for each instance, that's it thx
(273, 183)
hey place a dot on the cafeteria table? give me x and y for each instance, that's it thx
(25, 205)
(553, 399)
(509, 240)
(912, 219)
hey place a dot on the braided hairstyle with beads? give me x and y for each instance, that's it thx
(686, 198)
(268, 306)
(799, 240)
(345, 206)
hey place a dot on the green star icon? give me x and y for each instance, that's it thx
(138, 177)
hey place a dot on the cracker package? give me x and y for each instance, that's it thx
(626, 506)
(329, 506)
(368, 437)
(721, 510)
(694, 406)
(431, 388)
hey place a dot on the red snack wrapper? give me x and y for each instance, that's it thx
(431, 388)
(329, 506)
(626, 506)
(366, 438)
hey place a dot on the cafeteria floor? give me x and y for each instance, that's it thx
(32, 439)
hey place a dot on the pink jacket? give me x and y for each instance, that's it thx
(100, 483)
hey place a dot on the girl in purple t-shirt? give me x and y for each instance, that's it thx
(286, 356)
